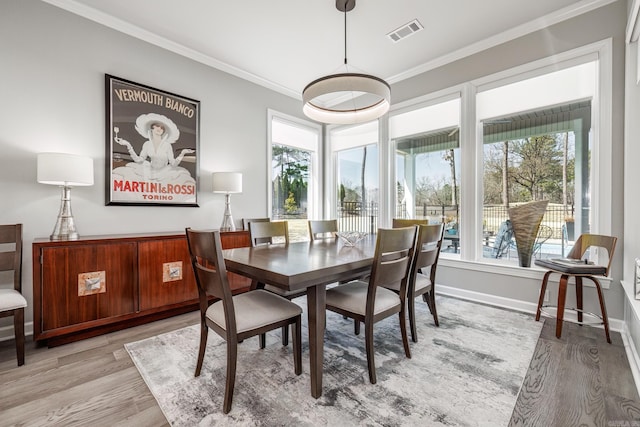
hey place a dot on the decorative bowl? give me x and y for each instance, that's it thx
(350, 238)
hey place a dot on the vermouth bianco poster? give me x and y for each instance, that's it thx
(152, 145)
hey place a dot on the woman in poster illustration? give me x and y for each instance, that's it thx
(156, 162)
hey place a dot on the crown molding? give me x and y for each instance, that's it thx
(519, 31)
(162, 42)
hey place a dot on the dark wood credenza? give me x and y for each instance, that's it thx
(98, 284)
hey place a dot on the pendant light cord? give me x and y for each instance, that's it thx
(345, 32)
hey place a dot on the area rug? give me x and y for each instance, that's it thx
(467, 372)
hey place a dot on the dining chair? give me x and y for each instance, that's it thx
(422, 277)
(577, 266)
(323, 229)
(235, 317)
(247, 221)
(264, 233)
(12, 302)
(370, 302)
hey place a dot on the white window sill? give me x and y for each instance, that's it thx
(510, 268)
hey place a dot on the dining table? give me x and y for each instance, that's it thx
(305, 265)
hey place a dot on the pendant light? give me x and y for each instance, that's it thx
(369, 96)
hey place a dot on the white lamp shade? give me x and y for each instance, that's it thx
(227, 182)
(64, 169)
(352, 86)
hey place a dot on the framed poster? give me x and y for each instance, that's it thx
(152, 141)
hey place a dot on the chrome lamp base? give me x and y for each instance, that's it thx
(65, 228)
(227, 220)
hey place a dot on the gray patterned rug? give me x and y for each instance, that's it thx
(467, 372)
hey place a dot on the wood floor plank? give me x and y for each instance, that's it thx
(100, 402)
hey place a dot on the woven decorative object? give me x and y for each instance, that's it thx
(525, 220)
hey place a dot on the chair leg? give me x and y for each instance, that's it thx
(285, 336)
(579, 304)
(204, 333)
(232, 357)
(562, 298)
(368, 343)
(603, 308)
(403, 331)
(412, 319)
(356, 327)
(543, 289)
(432, 306)
(263, 340)
(297, 345)
(18, 328)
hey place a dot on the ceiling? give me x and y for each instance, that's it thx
(284, 45)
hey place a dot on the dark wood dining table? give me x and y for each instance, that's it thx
(310, 266)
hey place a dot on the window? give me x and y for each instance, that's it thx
(539, 153)
(294, 173)
(356, 178)
(427, 155)
(548, 121)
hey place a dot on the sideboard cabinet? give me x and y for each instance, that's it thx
(98, 284)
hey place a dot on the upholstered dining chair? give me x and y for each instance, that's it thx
(371, 301)
(576, 266)
(12, 302)
(422, 278)
(323, 229)
(264, 233)
(235, 317)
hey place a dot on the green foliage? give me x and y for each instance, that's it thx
(534, 170)
(290, 177)
(290, 205)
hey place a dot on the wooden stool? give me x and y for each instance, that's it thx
(574, 266)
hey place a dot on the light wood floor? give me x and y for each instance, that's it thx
(577, 380)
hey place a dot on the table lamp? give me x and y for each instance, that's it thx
(227, 183)
(66, 171)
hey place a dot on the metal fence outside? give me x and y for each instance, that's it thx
(357, 216)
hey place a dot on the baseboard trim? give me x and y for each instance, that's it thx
(513, 304)
(6, 332)
(632, 357)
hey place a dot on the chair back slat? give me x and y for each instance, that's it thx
(261, 231)
(246, 221)
(401, 222)
(586, 241)
(205, 249)
(392, 259)
(323, 229)
(12, 259)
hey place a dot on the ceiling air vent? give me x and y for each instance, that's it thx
(405, 31)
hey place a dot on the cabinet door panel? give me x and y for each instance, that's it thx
(65, 304)
(156, 289)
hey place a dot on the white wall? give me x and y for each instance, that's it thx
(52, 99)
